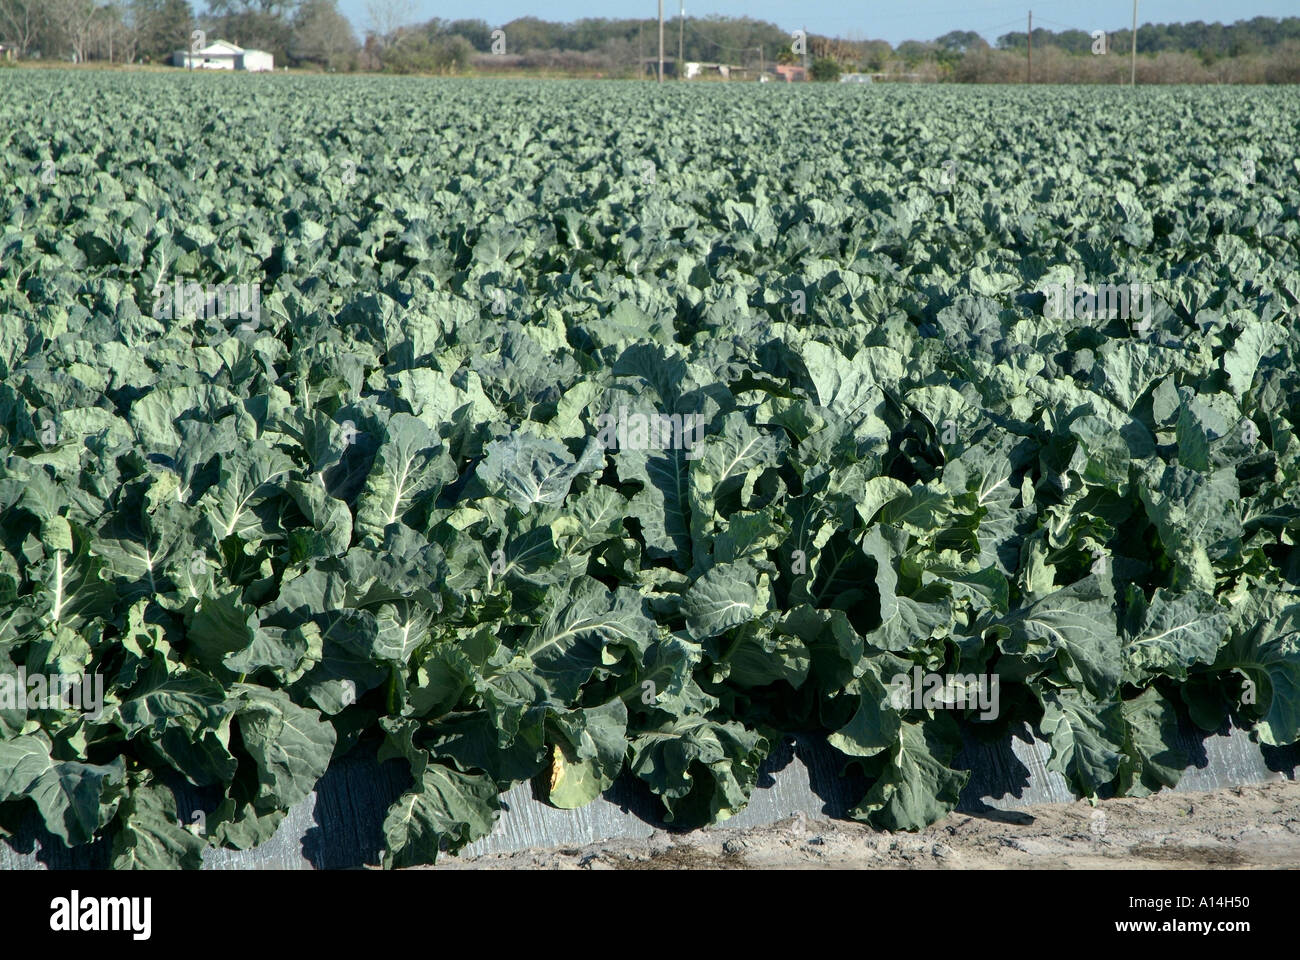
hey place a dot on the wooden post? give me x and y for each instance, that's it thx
(661, 41)
(1029, 64)
(1133, 76)
(681, 39)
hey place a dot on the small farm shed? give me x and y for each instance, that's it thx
(223, 55)
(695, 69)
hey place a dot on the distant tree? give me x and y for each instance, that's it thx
(960, 41)
(477, 32)
(530, 33)
(913, 51)
(825, 69)
(274, 8)
(322, 35)
(21, 22)
(384, 18)
(1242, 43)
(257, 24)
(1073, 41)
(74, 25)
(112, 34)
(589, 34)
(873, 54)
(161, 27)
(730, 40)
(422, 51)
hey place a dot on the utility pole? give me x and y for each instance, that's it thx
(681, 35)
(1029, 64)
(762, 61)
(640, 51)
(1133, 76)
(661, 41)
(806, 75)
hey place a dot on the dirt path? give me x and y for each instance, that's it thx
(1235, 828)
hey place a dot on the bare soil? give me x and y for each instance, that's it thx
(1235, 828)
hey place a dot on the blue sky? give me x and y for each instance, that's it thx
(892, 20)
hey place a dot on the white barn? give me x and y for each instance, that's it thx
(224, 56)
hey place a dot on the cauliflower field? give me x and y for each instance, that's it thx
(569, 430)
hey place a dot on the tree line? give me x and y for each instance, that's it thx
(313, 33)
(298, 32)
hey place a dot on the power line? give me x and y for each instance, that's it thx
(721, 46)
(911, 14)
(996, 26)
(1067, 26)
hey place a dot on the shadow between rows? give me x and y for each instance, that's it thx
(353, 797)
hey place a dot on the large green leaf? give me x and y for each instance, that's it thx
(75, 799)
(916, 786)
(445, 810)
(151, 837)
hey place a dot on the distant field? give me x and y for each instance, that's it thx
(572, 430)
